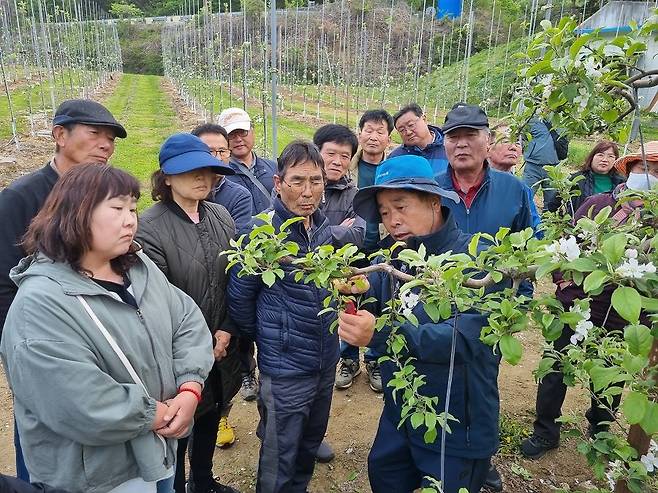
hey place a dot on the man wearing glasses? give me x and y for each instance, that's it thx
(233, 196)
(419, 138)
(251, 171)
(256, 174)
(297, 353)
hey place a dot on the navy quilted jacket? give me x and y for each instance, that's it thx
(291, 339)
(474, 397)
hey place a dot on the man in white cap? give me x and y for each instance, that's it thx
(251, 171)
(256, 174)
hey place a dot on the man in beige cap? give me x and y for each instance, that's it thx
(256, 175)
(251, 171)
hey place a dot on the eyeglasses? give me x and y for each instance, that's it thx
(299, 186)
(223, 153)
(608, 157)
(408, 128)
(238, 133)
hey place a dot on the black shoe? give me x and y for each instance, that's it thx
(493, 482)
(536, 446)
(214, 487)
(325, 453)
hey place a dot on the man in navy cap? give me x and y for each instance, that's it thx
(84, 132)
(410, 203)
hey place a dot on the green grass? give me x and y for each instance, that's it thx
(144, 109)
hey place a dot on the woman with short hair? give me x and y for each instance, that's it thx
(106, 359)
(186, 237)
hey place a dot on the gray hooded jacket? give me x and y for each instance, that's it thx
(84, 424)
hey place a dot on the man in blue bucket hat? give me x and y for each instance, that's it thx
(408, 201)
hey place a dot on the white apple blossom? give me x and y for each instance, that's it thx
(409, 301)
(581, 331)
(564, 247)
(614, 468)
(632, 269)
(650, 459)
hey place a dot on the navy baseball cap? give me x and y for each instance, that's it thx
(409, 172)
(465, 115)
(87, 112)
(183, 152)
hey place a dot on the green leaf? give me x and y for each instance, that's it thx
(649, 421)
(546, 268)
(613, 247)
(602, 377)
(432, 311)
(578, 43)
(417, 419)
(582, 264)
(635, 406)
(650, 304)
(430, 436)
(269, 278)
(639, 339)
(595, 280)
(511, 349)
(627, 302)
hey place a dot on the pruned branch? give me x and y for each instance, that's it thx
(631, 81)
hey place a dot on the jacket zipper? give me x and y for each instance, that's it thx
(157, 362)
(309, 237)
(468, 209)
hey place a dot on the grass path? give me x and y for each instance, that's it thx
(141, 105)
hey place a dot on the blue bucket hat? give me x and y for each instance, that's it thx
(408, 172)
(184, 152)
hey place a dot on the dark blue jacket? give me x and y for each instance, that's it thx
(292, 340)
(263, 170)
(501, 202)
(474, 399)
(435, 153)
(237, 201)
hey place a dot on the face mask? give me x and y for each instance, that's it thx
(638, 181)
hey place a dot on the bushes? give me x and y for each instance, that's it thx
(141, 48)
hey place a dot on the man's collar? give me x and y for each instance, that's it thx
(478, 184)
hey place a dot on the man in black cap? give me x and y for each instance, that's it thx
(84, 132)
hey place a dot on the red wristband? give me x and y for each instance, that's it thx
(196, 393)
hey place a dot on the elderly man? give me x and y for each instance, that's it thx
(256, 174)
(504, 155)
(409, 202)
(84, 132)
(297, 354)
(419, 138)
(488, 200)
(253, 172)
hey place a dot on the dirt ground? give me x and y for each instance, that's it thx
(355, 412)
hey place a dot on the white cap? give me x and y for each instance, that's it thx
(234, 119)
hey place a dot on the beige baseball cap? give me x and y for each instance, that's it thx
(234, 119)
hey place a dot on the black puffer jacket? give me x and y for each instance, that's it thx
(189, 255)
(337, 206)
(586, 187)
